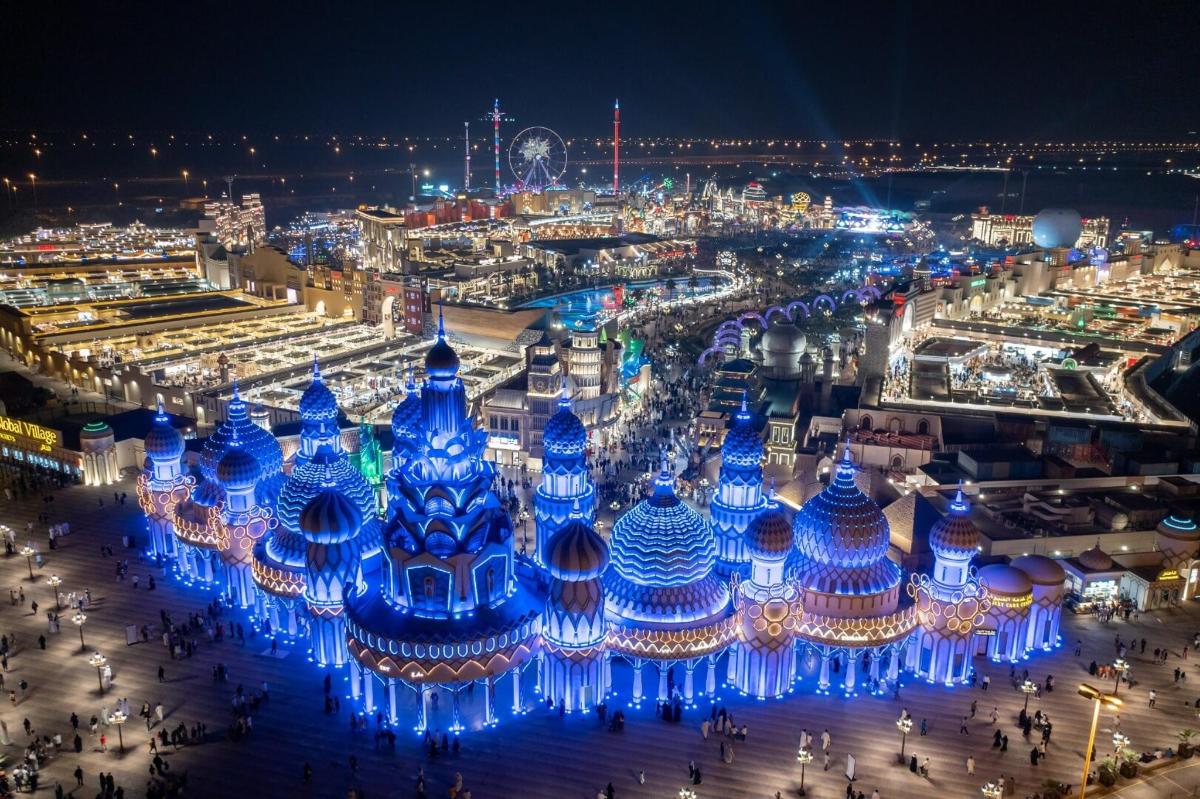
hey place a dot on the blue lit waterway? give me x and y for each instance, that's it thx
(577, 307)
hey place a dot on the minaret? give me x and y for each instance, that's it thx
(566, 484)
(616, 148)
(467, 152)
(162, 485)
(573, 628)
(330, 524)
(318, 418)
(240, 521)
(739, 491)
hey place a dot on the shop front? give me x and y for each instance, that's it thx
(28, 445)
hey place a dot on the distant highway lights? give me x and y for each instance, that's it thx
(1028, 688)
(97, 662)
(119, 718)
(1119, 666)
(804, 756)
(28, 552)
(54, 582)
(905, 726)
(991, 790)
(79, 618)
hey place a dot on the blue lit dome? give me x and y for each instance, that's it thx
(576, 552)
(163, 442)
(441, 361)
(1056, 227)
(564, 435)
(769, 536)
(406, 418)
(208, 493)
(843, 539)
(238, 469)
(330, 518)
(955, 536)
(257, 441)
(742, 447)
(327, 469)
(317, 403)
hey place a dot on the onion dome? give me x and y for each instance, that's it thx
(317, 403)
(163, 442)
(662, 541)
(1095, 559)
(330, 518)
(406, 418)
(564, 435)
(742, 447)
(1040, 569)
(208, 493)
(769, 536)
(1004, 580)
(955, 536)
(238, 469)
(576, 552)
(259, 442)
(441, 362)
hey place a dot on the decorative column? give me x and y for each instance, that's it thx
(422, 710)
(355, 680)
(518, 706)
(489, 700)
(689, 681)
(823, 680)
(662, 683)
(637, 682)
(710, 679)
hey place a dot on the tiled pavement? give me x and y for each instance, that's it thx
(539, 755)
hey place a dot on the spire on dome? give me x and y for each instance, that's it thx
(564, 399)
(959, 504)
(845, 468)
(411, 385)
(161, 416)
(316, 369)
(576, 510)
(441, 322)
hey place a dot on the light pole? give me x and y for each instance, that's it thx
(29, 552)
(1098, 697)
(1120, 741)
(54, 582)
(119, 718)
(1119, 665)
(97, 661)
(79, 618)
(804, 756)
(1028, 687)
(905, 727)
(991, 790)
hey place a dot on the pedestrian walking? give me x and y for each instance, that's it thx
(962, 728)
(970, 764)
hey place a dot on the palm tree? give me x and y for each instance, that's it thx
(670, 287)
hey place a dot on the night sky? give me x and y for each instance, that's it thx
(962, 70)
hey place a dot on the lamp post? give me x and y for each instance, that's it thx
(97, 662)
(79, 618)
(1120, 741)
(54, 582)
(991, 790)
(687, 793)
(1028, 687)
(905, 727)
(1119, 665)
(119, 718)
(804, 756)
(1098, 697)
(29, 552)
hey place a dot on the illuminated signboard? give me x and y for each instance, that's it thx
(27, 434)
(1168, 574)
(986, 632)
(978, 282)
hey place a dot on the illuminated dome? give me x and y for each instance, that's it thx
(1095, 559)
(327, 469)
(317, 403)
(564, 434)
(255, 440)
(441, 361)
(576, 552)
(207, 494)
(843, 539)
(406, 418)
(1056, 227)
(163, 442)
(238, 468)
(782, 345)
(662, 559)
(769, 536)
(955, 536)
(742, 448)
(330, 518)
(1004, 580)
(1040, 569)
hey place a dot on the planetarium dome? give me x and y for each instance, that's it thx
(1056, 228)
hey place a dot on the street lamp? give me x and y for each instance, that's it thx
(185, 180)
(1098, 697)
(79, 618)
(29, 552)
(54, 582)
(1119, 665)
(905, 726)
(33, 185)
(991, 790)
(119, 718)
(1028, 687)
(97, 661)
(804, 756)
(1120, 741)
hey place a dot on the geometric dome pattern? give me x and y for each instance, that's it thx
(317, 403)
(564, 435)
(163, 442)
(743, 447)
(662, 542)
(955, 536)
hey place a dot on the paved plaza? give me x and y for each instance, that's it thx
(541, 754)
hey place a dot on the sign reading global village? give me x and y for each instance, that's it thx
(18, 431)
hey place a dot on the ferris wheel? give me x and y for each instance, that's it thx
(538, 158)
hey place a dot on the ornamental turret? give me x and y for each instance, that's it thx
(739, 491)
(318, 418)
(239, 521)
(330, 523)
(573, 629)
(566, 483)
(162, 484)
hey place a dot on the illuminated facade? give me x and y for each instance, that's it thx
(162, 485)
(566, 485)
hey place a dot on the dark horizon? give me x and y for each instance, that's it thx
(880, 70)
